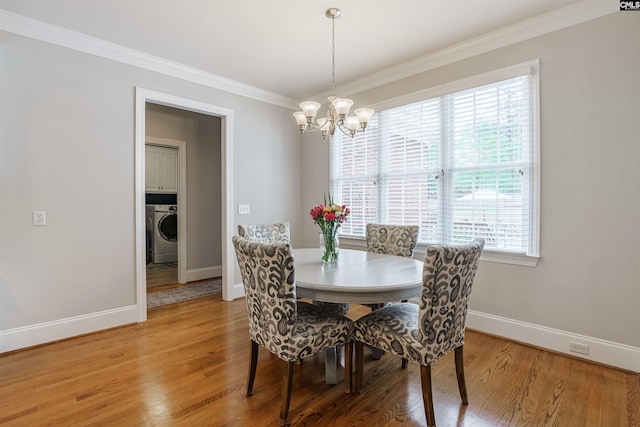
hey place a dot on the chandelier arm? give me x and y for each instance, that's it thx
(345, 130)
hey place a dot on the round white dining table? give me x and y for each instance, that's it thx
(358, 277)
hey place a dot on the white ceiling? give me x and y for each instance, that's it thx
(285, 46)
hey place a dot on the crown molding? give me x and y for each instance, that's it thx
(48, 33)
(578, 13)
(562, 18)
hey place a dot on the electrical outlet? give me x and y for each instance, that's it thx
(39, 218)
(577, 347)
(244, 209)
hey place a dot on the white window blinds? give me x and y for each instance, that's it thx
(459, 165)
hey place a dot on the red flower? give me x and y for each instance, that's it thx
(328, 215)
(317, 211)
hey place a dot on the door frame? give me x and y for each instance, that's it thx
(181, 146)
(144, 96)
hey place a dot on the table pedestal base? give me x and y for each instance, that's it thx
(331, 366)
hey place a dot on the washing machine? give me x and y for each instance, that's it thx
(162, 233)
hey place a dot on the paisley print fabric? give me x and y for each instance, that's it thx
(289, 329)
(266, 233)
(332, 307)
(427, 332)
(397, 240)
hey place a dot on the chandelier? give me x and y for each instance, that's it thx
(337, 114)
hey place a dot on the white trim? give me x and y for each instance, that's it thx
(237, 291)
(226, 174)
(48, 33)
(181, 200)
(140, 204)
(509, 258)
(28, 336)
(562, 18)
(487, 255)
(531, 67)
(601, 351)
(226, 177)
(204, 273)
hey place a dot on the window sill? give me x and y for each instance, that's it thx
(487, 255)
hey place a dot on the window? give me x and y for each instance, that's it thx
(461, 162)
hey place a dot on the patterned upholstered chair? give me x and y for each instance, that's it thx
(397, 240)
(266, 233)
(280, 233)
(289, 329)
(427, 332)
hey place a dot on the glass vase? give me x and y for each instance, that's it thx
(330, 246)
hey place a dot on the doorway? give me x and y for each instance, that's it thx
(144, 96)
(165, 210)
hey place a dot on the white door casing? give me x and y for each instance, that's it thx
(226, 170)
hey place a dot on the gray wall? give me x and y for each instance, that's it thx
(587, 281)
(67, 147)
(204, 216)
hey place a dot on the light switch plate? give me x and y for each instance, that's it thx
(244, 209)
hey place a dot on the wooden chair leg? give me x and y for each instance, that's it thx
(462, 385)
(376, 353)
(253, 364)
(359, 366)
(348, 370)
(427, 396)
(287, 383)
(405, 362)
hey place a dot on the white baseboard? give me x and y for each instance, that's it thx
(237, 291)
(28, 336)
(204, 273)
(601, 351)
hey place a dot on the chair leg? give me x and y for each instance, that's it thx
(427, 396)
(348, 370)
(359, 366)
(253, 364)
(376, 353)
(405, 362)
(287, 383)
(462, 385)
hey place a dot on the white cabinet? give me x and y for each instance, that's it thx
(161, 169)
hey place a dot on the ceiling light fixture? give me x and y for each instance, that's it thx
(337, 115)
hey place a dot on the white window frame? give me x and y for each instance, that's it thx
(533, 69)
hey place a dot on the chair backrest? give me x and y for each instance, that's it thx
(266, 233)
(397, 240)
(447, 278)
(268, 276)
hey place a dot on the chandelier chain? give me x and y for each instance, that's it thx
(333, 55)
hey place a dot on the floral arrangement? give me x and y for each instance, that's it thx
(329, 216)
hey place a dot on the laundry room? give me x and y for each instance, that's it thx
(183, 217)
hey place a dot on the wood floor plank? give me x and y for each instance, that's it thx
(187, 366)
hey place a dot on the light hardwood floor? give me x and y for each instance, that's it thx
(187, 366)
